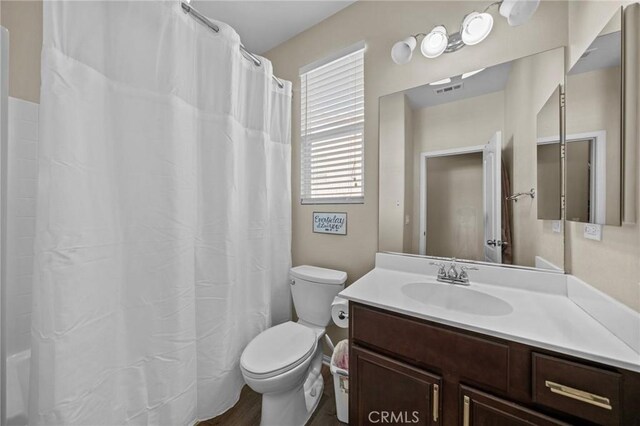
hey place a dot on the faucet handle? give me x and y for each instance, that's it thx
(453, 273)
(441, 267)
(463, 271)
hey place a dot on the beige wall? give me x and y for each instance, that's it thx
(410, 221)
(393, 134)
(464, 123)
(593, 103)
(454, 206)
(577, 186)
(613, 264)
(548, 190)
(631, 127)
(23, 19)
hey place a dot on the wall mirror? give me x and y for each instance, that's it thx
(458, 165)
(593, 131)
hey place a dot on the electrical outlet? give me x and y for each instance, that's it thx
(593, 231)
(556, 226)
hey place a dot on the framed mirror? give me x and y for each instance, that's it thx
(594, 154)
(458, 165)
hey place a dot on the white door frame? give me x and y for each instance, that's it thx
(492, 191)
(598, 183)
(423, 185)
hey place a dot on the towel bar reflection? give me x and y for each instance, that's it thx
(514, 197)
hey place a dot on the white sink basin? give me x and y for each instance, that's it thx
(457, 298)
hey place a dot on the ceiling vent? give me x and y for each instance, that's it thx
(448, 89)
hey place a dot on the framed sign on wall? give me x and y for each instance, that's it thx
(330, 223)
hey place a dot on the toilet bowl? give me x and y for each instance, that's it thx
(284, 362)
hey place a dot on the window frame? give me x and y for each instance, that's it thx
(305, 197)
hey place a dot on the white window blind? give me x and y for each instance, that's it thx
(332, 125)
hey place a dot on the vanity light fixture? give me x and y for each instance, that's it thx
(476, 26)
(518, 12)
(402, 51)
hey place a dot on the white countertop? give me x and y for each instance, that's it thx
(548, 320)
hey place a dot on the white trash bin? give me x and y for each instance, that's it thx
(340, 371)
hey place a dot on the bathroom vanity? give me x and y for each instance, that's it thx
(501, 351)
(509, 164)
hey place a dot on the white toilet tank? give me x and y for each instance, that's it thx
(313, 290)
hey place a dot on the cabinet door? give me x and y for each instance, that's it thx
(385, 391)
(480, 409)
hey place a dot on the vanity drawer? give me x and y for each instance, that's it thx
(468, 357)
(582, 391)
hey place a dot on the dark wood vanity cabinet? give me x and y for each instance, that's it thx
(394, 392)
(406, 371)
(479, 408)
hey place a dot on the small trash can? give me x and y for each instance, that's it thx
(340, 371)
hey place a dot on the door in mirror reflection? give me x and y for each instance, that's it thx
(593, 131)
(492, 199)
(462, 191)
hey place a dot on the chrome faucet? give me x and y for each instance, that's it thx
(451, 274)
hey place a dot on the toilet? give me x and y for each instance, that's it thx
(284, 362)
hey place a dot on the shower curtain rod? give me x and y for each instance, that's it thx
(205, 21)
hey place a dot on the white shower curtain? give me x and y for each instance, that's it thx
(163, 223)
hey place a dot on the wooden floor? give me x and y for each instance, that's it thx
(247, 411)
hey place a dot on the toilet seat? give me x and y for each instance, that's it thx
(278, 349)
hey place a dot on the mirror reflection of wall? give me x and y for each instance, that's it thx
(448, 199)
(549, 169)
(579, 154)
(455, 227)
(593, 149)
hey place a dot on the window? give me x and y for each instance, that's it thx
(332, 126)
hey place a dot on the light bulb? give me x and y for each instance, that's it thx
(476, 27)
(518, 12)
(402, 51)
(435, 43)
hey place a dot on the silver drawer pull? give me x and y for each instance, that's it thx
(569, 392)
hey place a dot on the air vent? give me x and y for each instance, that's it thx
(448, 89)
(588, 52)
